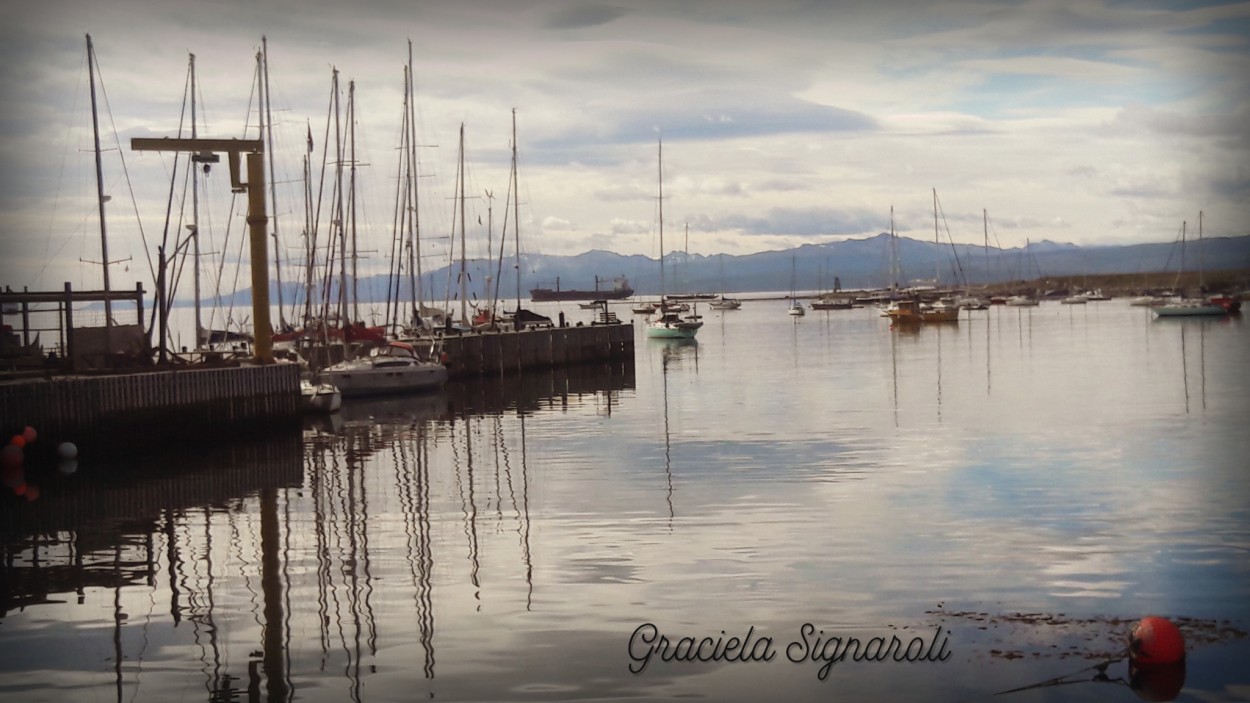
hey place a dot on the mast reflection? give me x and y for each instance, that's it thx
(281, 568)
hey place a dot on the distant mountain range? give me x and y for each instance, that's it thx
(856, 264)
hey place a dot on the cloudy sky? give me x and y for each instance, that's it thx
(783, 122)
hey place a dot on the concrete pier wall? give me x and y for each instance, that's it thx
(158, 407)
(509, 351)
(186, 405)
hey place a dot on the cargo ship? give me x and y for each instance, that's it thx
(620, 289)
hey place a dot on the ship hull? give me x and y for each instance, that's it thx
(539, 295)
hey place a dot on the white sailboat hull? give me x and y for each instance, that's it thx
(677, 331)
(1190, 310)
(320, 397)
(358, 378)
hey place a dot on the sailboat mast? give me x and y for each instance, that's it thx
(893, 256)
(99, 184)
(337, 221)
(686, 261)
(267, 128)
(464, 290)
(516, 213)
(937, 246)
(310, 248)
(414, 249)
(351, 126)
(985, 227)
(491, 294)
(1181, 271)
(660, 171)
(195, 216)
(1200, 262)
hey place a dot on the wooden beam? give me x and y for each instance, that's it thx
(254, 146)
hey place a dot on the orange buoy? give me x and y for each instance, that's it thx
(18, 441)
(1156, 640)
(29, 434)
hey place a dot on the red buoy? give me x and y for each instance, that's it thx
(29, 434)
(11, 456)
(1156, 640)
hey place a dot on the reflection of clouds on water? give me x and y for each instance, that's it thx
(501, 540)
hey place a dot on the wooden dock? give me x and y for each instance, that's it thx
(130, 411)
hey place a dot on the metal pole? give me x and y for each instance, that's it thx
(99, 184)
(257, 221)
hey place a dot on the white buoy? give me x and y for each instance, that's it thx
(67, 450)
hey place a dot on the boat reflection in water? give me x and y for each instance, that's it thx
(289, 568)
(151, 541)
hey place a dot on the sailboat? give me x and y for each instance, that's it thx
(667, 322)
(520, 317)
(796, 308)
(390, 366)
(912, 309)
(1191, 307)
(723, 302)
(829, 299)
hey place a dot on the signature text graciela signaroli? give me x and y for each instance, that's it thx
(812, 644)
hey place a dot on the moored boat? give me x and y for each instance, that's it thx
(832, 304)
(914, 311)
(691, 296)
(667, 322)
(1190, 308)
(620, 290)
(940, 311)
(319, 397)
(1195, 307)
(1228, 302)
(1018, 301)
(393, 368)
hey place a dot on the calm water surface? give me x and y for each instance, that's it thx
(1015, 490)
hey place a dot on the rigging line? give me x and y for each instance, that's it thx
(169, 204)
(504, 230)
(1172, 250)
(234, 200)
(60, 183)
(163, 252)
(108, 108)
(954, 252)
(397, 220)
(180, 264)
(321, 184)
(229, 314)
(266, 125)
